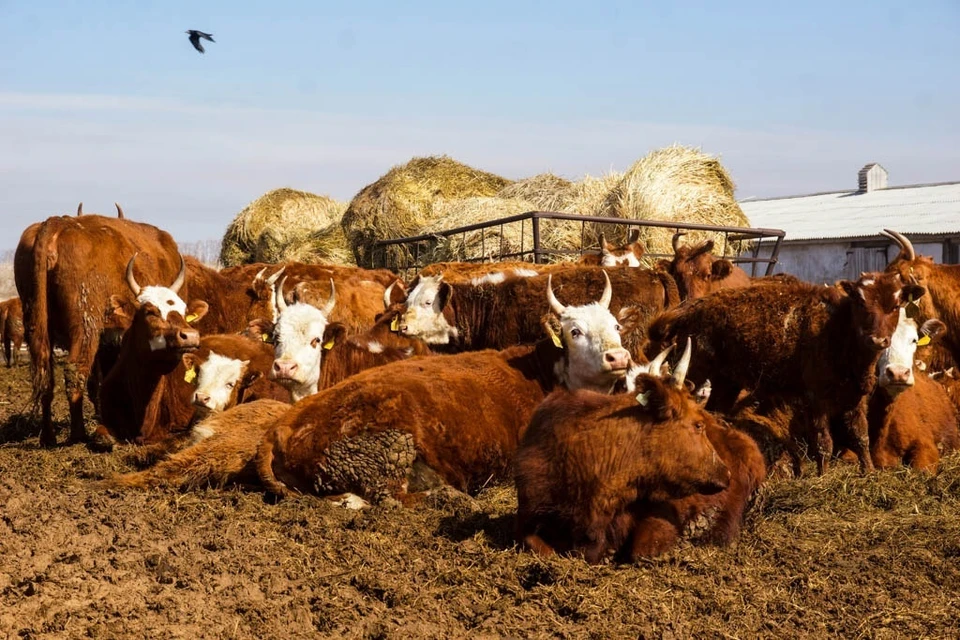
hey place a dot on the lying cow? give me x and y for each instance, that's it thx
(813, 346)
(587, 457)
(458, 418)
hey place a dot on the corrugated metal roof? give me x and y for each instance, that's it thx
(919, 209)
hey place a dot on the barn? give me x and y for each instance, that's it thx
(836, 235)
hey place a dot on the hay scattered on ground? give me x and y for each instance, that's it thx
(284, 223)
(403, 201)
(676, 184)
(515, 236)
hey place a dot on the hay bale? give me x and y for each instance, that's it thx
(327, 246)
(545, 191)
(675, 184)
(275, 221)
(403, 201)
(486, 243)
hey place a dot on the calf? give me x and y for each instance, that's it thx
(627, 255)
(698, 272)
(11, 330)
(798, 343)
(384, 431)
(465, 316)
(586, 457)
(139, 400)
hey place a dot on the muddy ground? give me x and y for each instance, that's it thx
(834, 556)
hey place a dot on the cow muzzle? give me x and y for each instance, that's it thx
(201, 400)
(616, 360)
(284, 370)
(184, 339)
(896, 379)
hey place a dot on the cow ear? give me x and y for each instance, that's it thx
(721, 269)
(119, 312)
(335, 333)
(260, 330)
(664, 265)
(444, 294)
(850, 288)
(398, 295)
(190, 361)
(196, 310)
(911, 293)
(933, 329)
(249, 377)
(552, 327)
(653, 396)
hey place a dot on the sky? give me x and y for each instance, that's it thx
(103, 101)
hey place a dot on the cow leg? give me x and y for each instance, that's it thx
(75, 384)
(855, 421)
(924, 457)
(7, 354)
(47, 437)
(538, 545)
(822, 441)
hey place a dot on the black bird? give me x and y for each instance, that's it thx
(195, 38)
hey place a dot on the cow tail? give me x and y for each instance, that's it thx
(44, 259)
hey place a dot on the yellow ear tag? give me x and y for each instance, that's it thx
(923, 341)
(328, 345)
(190, 375)
(191, 317)
(265, 337)
(395, 324)
(556, 340)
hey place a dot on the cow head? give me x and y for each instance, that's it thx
(263, 294)
(158, 320)
(298, 343)
(876, 299)
(429, 314)
(628, 255)
(912, 268)
(590, 339)
(666, 398)
(220, 381)
(659, 367)
(895, 367)
(698, 272)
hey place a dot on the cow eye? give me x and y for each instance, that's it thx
(698, 427)
(575, 333)
(230, 385)
(617, 328)
(428, 303)
(315, 342)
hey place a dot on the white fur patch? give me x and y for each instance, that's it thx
(628, 259)
(201, 432)
(899, 356)
(163, 299)
(423, 316)
(299, 336)
(351, 501)
(374, 347)
(490, 278)
(217, 380)
(525, 273)
(589, 334)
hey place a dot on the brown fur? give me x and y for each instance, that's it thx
(914, 428)
(698, 272)
(587, 456)
(466, 271)
(11, 330)
(232, 302)
(816, 345)
(714, 518)
(225, 457)
(496, 316)
(465, 413)
(66, 269)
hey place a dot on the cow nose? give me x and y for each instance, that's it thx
(880, 343)
(897, 374)
(201, 399)
(284, 369)
(188, 338)
(617, 358)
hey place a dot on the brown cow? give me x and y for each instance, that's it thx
(698, 272)
(11, 330)
(66, 269)
(140, 400)
(627, 255)
(796, 343)
(496, 315)
(457, 417)
(586, 457)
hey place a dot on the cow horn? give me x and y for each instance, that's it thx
(905, 244)
(278, 296)
(181, 277)
(332, 300)
(676, 240)
(657, 363)
(119, 210)
(80, 209)
(131, 280)
(602, 239)
(555, 305)
(259, 275)
(634, 236)
(607, 292)
(386, 295)
(272, 280)
(680, 373)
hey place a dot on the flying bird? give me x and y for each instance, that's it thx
(195, 38)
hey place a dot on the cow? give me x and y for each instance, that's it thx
(698, 272)
(140, 400)
(495, 315)
(11, 330)
(392, 431)
(609, 255)
(220, 450)
(795, 343)
(229, 370)
(587, 457)
(66, 268)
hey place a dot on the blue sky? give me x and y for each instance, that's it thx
(101, 101)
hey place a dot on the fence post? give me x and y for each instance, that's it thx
(536, 238)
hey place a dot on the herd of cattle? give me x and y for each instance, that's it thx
(353, 385)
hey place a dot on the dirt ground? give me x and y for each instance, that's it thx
(840, 555)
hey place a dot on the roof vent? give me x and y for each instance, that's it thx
(871, 178)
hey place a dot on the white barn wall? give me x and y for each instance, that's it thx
(826, 261)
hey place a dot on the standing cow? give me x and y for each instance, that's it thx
(11, 330)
